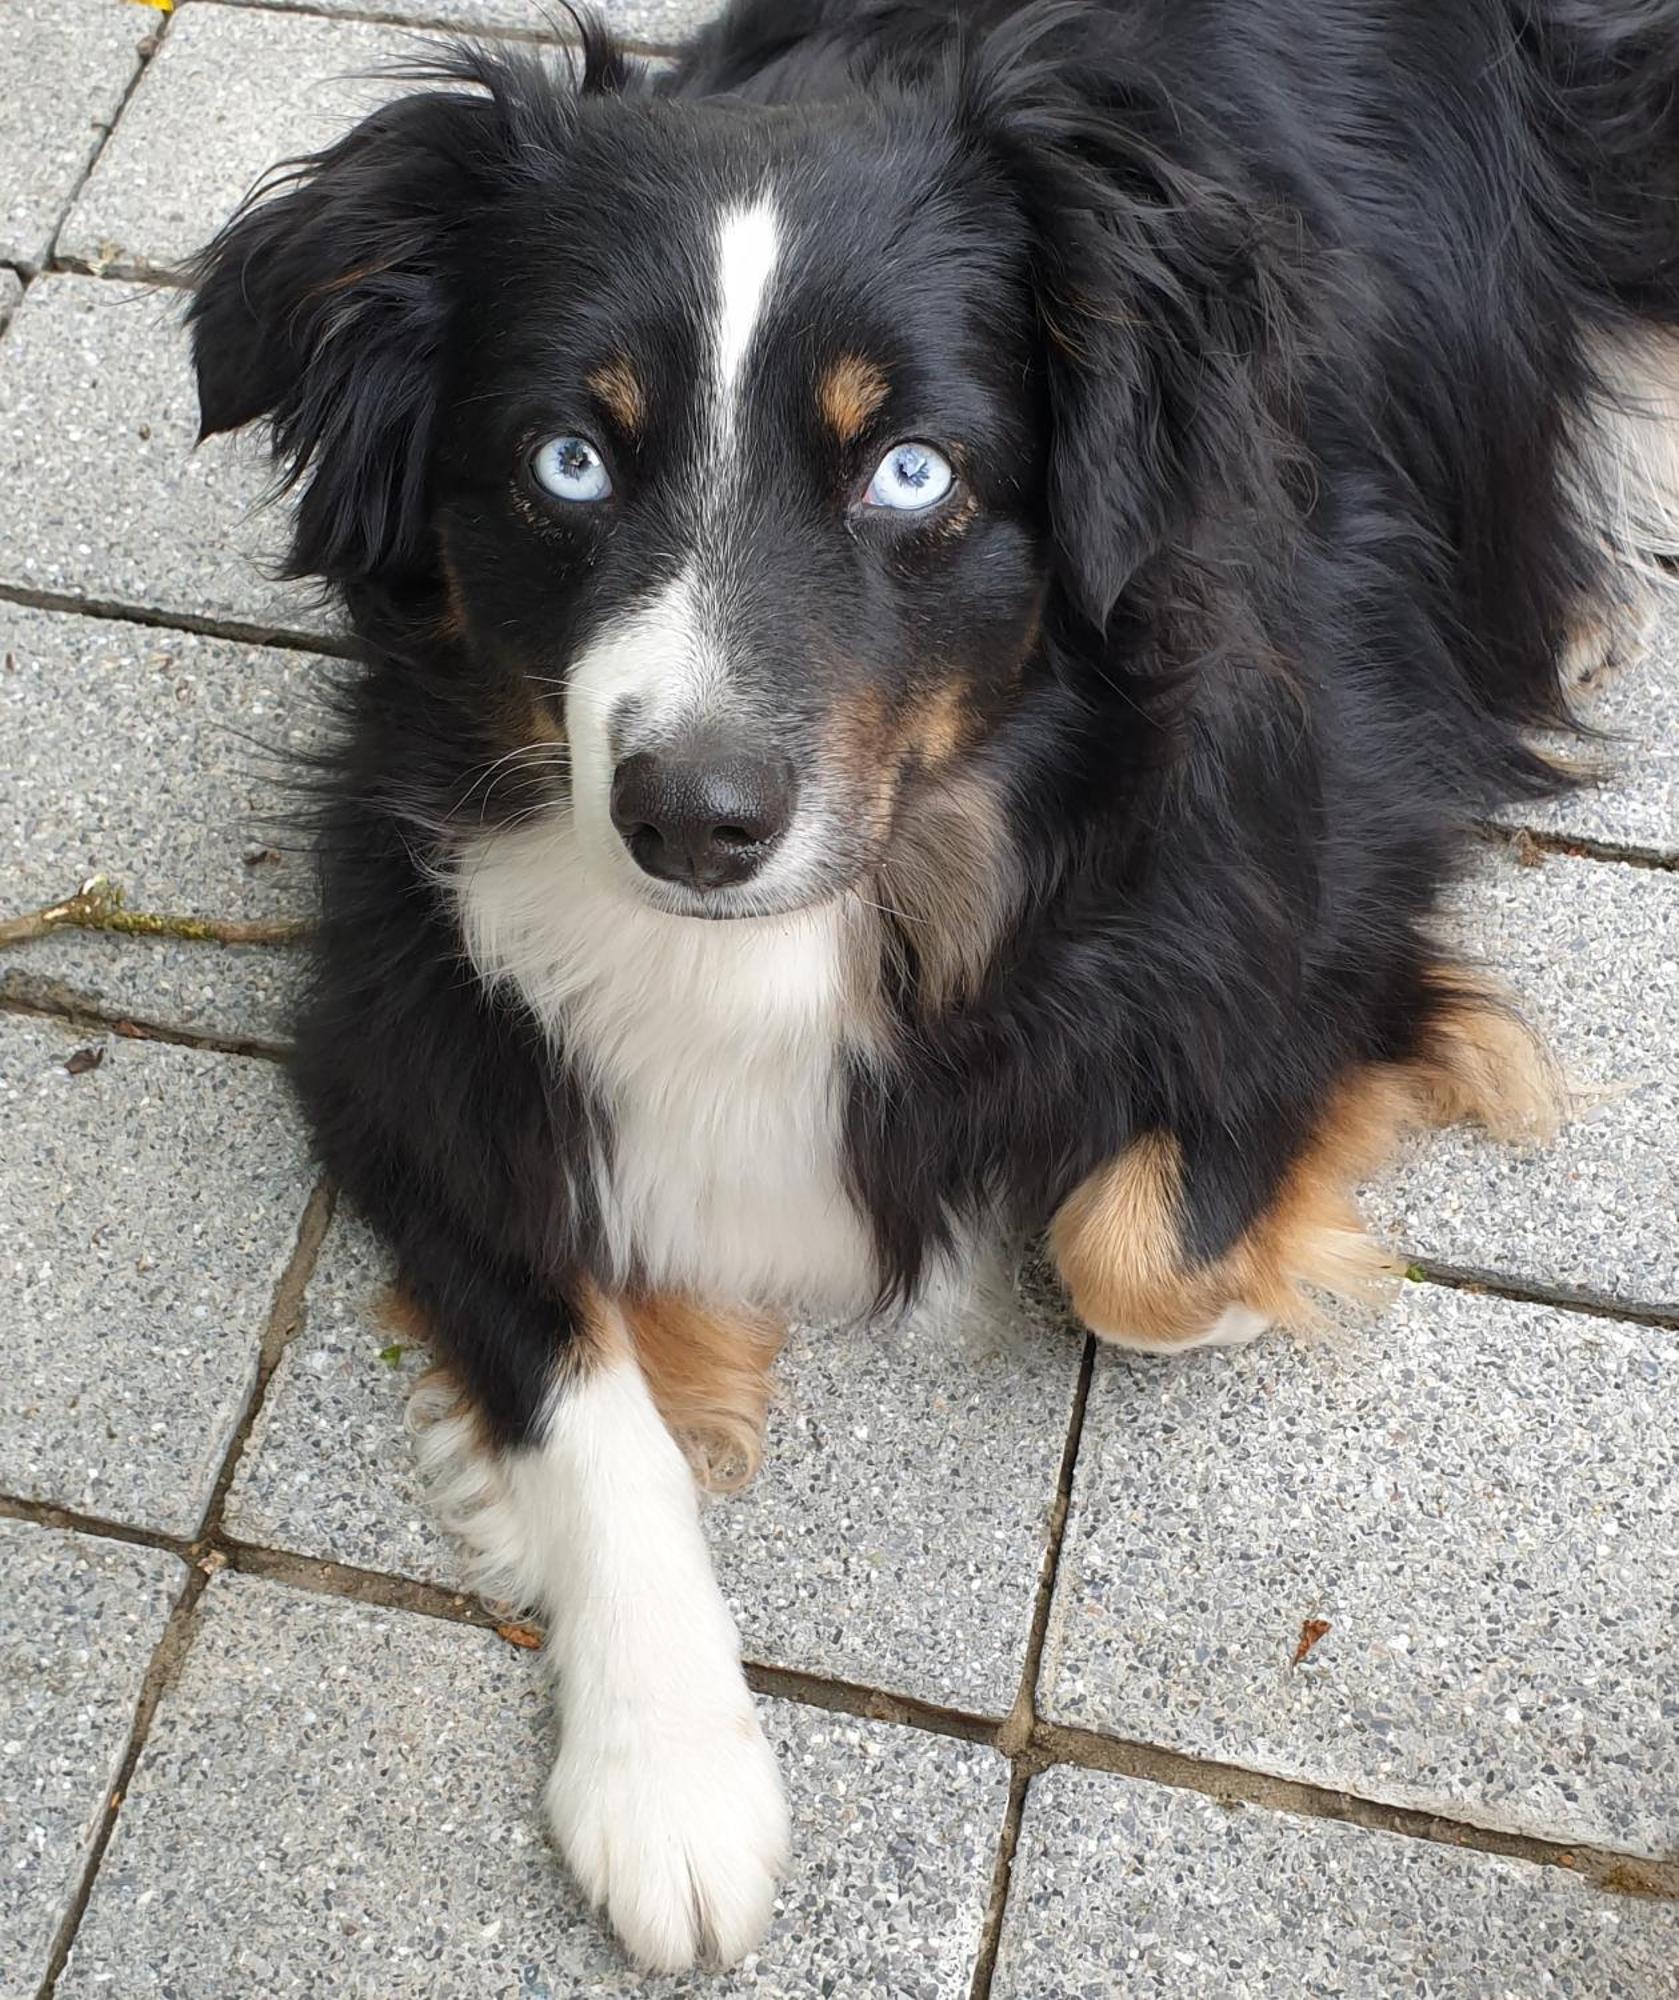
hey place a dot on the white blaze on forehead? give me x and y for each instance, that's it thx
(748, 248)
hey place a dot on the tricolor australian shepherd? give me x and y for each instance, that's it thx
(940, 588)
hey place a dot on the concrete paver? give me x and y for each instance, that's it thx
(1471, 1507)
(890, 1539)
(231, 91)
(1636, 803)
(328, 1469)
(336, 1798)
(83, 1617)
(107, 501)
(1591, 951)
(1128, 1888)
(148, 1207)
(1478, 1498)
(64, 68)
(176, 766)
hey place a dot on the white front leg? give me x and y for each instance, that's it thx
(665, 1798)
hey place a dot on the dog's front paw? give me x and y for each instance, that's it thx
(679, 1832)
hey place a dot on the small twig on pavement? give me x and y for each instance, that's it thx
(98, 906)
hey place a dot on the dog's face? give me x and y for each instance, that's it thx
(744, 453)
(740, 467)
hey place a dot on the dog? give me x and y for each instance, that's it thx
(940, 589)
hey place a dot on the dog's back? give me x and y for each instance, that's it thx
(1500, 182)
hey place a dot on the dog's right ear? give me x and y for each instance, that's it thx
(326, 308)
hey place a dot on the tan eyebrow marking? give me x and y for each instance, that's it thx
(850, 393)
(619, 388)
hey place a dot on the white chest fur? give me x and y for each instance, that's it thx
(716, 1049)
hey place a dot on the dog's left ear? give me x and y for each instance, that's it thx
(1169, 304)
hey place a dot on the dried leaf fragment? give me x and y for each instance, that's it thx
(82, 1061)
(1311, 1631)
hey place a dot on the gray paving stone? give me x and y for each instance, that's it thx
(1127, 1888)
(894, 1534)
(892, 1538)
(148, 1208)
(339, 1799)
(168, 762)
(1481, 1500)
(1591, 949)
(647, 24)
(328, 1469)
(11, 291)
(1637, 708)
(64, 66)
(106, 499)
(232, 91)
(82, 1618)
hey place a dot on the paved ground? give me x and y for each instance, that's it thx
(1029, 1628)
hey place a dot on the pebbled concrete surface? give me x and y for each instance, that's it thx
(1128, 1888)
(147, 1210)
(1590, 950)
(244, 1862)
(176, 765)
(82, 1620)
(65, 66)
(107, 501)
(231, 91)
(865, 1550)
(1479, 1499)
(1635, 803)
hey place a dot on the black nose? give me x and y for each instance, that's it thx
(706, 820)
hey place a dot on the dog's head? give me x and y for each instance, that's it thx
(772, 453)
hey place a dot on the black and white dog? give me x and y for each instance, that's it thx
(939, 587)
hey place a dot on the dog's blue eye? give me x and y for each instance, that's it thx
(910, 477)
(571, 469)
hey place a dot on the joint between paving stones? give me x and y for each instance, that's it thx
(203, 1559)
(282, 639)
(1017, 1732)
(148, 49)
(1529, 845)
(52, 1000)
(1561, 1298)
(1049, 1746)
(168, 1657)
(285, 1320)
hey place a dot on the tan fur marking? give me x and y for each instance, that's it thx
(1117, 1243)
(849, 394)
(949, 876)
(1482, 1064)
(709, 1373)
(934, 823)
(939, 722)
(1117, 1240)
(452, 624)
(618, 388)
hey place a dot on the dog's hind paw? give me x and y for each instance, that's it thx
(1234, 1327)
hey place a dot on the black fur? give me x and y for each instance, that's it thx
(1288, 309)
